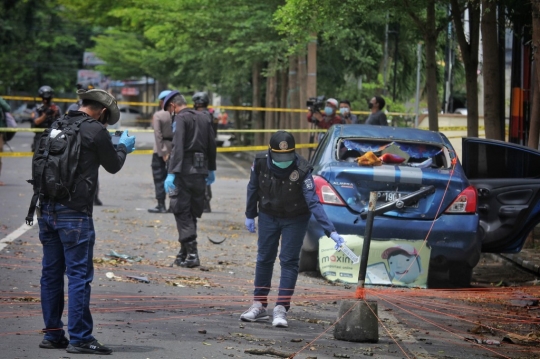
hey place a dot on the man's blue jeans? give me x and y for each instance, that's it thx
(292, 232)
(68, 239)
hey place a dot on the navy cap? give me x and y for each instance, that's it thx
(282, 147)
(169, 97)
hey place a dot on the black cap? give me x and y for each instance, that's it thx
(282, 147)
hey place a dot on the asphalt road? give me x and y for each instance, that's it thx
(193, 313)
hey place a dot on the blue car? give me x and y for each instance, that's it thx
(489, 203)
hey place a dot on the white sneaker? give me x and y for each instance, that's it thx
(280, 317)
(256, 313)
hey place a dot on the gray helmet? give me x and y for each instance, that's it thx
(200, 99)
(46, 92)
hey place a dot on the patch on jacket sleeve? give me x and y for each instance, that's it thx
(308, 183)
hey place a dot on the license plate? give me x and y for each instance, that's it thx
(393, 196)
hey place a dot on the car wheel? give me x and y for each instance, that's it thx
(460, 274)
(308, 261)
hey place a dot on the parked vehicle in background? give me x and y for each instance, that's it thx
(489, 204)
(23, 113)
(461, 111)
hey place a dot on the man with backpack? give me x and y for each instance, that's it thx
(4, 108)
(64, 175)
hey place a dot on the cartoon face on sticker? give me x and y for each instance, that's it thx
(309, 183)
(404, 262)
(294, 176)
(283, 145)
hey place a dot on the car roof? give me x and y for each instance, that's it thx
(392, 133)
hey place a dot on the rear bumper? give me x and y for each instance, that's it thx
(451, 237)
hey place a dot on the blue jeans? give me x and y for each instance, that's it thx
(292, 232)
(68, 246)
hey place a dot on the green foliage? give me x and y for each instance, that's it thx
(39, 45)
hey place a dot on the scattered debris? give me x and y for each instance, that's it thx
(296, 340)
(479, 329)
(127, 258)
(341, 356)
(111, 275)
(524, 300)
(483, 341)
(202, 331)
(140, 279)
(217, 242)
(529, 339)
(270, 351)
(145, 311)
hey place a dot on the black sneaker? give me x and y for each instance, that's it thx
(54, 344)
(93, 347)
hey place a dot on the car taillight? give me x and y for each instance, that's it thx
(465, 202)
(326, 193)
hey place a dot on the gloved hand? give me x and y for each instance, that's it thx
(338, 239)
(250, 225)
(211, 178)
(169, 183)
(128, 141)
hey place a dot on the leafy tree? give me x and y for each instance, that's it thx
(39, 44)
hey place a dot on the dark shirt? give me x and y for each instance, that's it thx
(96, 150)
(377, 118)
(308, 190)
(192, 133)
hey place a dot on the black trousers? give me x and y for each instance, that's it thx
(159, 172)
(187, 204)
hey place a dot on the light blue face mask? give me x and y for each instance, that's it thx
(282, 164)
(328, 110)
(344, 110)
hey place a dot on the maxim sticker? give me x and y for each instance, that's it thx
(294, 176)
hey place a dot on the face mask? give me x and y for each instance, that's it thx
(344, 110)
(370, 105)
(328, 110)
(282, 164)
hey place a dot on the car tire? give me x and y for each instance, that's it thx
(308, 261)
(460, 274)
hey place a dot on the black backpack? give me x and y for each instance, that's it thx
(55, 162)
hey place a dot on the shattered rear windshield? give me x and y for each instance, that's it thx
(397, 153)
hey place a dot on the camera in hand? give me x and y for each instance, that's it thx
(116, 137)
(316, 104)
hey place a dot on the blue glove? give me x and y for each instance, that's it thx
(128, 141)
(211, 177)
(338, 239)
(250, 225)
(169, 183)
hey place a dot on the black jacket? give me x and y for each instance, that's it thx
(96, 150)
(192, 134)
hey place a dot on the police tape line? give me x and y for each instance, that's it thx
(232, 108)
(133, 130)
(149, 152)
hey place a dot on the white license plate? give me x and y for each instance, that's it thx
(393, 196)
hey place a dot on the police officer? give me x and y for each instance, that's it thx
(45, 114)
(162, 148)
(200, 103)
(66, 229)
(282, 193)
(191, 167)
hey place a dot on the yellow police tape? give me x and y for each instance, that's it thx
(232, 108)
(149, 152)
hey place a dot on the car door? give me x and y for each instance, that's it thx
(507, 178)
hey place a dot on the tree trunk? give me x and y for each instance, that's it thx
(257, 123)
(430, 36)
(283, 89)
(490, 70)
(534, 128)
(270, 118)
(293, 98)
(468, 44)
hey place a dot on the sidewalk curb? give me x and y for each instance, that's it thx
(535, 268)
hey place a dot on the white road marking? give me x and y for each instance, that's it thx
(15, 234)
